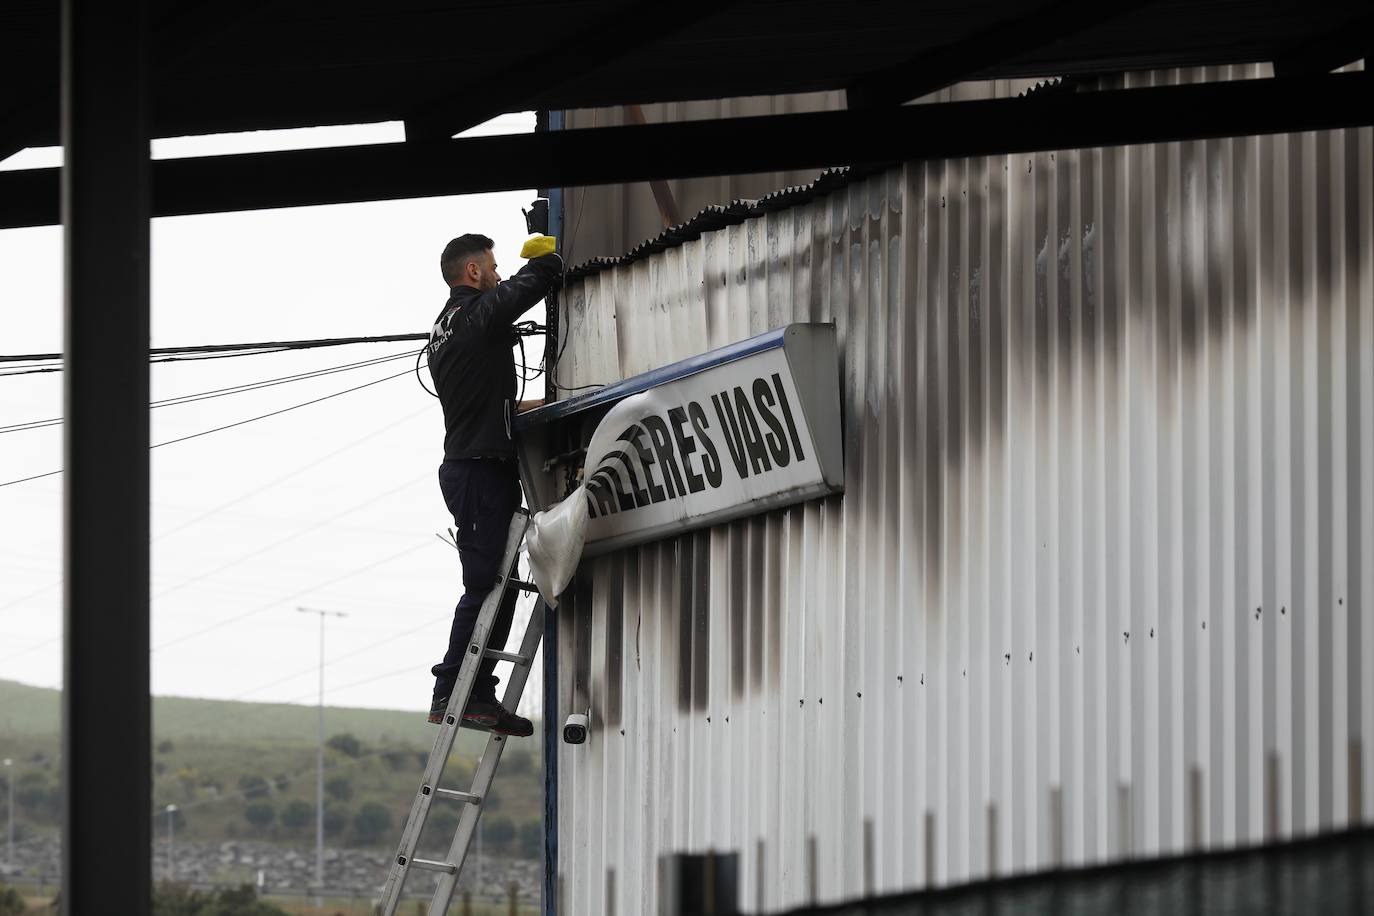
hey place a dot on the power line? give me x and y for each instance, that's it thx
(58, 367)
(278, 602)
(224, 392)
(285, 477)
(33, 648)
(220, 429)
(186, 583)
(275, 346)
(242, 497)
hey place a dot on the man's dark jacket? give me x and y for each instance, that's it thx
(471, 362)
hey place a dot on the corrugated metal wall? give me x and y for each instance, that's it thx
(1100, 583)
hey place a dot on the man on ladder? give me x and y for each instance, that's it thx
(473, 368)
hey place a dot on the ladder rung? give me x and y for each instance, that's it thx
(431, 865)
(522, 585)
(511, 657)
(470, 798)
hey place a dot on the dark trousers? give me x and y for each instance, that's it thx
(482, 494)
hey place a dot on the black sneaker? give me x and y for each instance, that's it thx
(489, 715)
(437, 707)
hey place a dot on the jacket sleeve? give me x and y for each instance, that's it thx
(500, 307)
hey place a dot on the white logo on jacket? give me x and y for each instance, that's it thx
(442, 331)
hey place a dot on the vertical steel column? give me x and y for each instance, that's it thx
(106, 714)
(551, 120)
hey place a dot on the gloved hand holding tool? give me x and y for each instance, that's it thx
(539, 246)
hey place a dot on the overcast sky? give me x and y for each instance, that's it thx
(333, 506)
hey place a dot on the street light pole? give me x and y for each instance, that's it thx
(319, 757)
(171, 869)
(9, 779)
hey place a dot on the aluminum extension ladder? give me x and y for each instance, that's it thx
(472, 800)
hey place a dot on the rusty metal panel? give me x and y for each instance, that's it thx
(1099, 586)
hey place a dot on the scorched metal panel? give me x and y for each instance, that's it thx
(1099, 583)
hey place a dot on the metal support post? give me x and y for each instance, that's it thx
(171, 828)
(319, 759)
(105, 211)
(553, 120)
(9, 833)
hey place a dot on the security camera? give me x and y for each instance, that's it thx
(537, 216)
(575, 729)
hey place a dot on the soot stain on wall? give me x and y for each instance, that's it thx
(619, 579)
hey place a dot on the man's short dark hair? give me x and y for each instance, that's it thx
(459, 252)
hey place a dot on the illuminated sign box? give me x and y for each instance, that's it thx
(733, 432)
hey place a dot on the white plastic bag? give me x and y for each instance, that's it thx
(556, 536)
(555, 539)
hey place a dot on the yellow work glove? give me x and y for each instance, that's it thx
(539, 246)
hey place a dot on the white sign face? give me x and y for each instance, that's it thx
(728, 441)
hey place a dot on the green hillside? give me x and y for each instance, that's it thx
(248, 770)
(35, 711)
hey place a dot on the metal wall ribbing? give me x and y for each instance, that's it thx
(1099, 585)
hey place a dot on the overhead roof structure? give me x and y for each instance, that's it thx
(218, 66)
(102, 77)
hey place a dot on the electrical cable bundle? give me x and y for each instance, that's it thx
(52, 362)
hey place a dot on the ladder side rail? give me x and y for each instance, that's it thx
(419, 809)
(486, 767)
(448, 729)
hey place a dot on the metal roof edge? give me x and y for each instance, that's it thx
(718, 216)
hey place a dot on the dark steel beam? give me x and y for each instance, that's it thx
(1043, 25)
(728, 147)
(177, 40)
(1341, 46)
(106, 715)
(663, 195)
(599, 42)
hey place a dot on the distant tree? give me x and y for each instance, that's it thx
(297, 814)
(370, 823)
(398, 760)
(165, 746)
(492, 801)
(336, 818)
(189, 778)
(499, 832)
(531, 839)
(174, 899)
(241, 901)
(159, 768)
(260, 814)
(11, 904)
(340, 788)
(171, 899)
(516, 762)
(281, 782)
(40, 800)
(346, 744)
(441, 827)
(253, 786)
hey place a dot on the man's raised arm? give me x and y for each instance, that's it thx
(503, 305)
